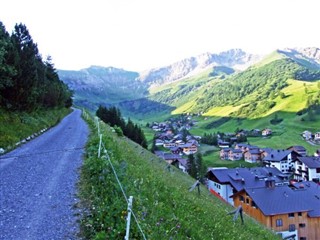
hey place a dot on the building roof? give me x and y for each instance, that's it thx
(277, 155)
(240, 178)
(310, 162)
(297, 148)
(283, 199)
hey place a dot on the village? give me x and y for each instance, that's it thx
(282, 192)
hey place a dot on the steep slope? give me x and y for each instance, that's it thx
(162, 203)
(251, 93)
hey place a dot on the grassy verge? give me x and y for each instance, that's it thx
(162, 203)
(15, 126)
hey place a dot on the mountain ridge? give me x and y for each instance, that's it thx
(120, 87)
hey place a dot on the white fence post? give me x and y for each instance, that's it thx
(128, 218)
(99, 150)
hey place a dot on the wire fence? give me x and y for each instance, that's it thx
(106, 156)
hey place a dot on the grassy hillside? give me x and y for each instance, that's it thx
(16, 126)
(162, 204)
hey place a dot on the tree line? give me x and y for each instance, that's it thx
(112, 116)
(27, 82)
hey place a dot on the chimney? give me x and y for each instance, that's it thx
(270, 183)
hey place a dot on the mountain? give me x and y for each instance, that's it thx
(99, 85)
(95, 85)
(248, 85)
(234, 58)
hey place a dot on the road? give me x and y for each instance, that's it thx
(38, 183)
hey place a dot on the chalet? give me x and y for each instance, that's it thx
(299, 149)
(252, 155)
(189, 148)
(226, 182)
(281, 159)
(224, 153)
(266, 132)
(287, 211)
(235, 154)
(307, 169)
(244, 147)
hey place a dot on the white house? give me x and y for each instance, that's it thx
(280, 159)
(307, 169)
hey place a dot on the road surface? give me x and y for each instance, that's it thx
(38, 183)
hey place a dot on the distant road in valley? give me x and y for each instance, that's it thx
(38, 183)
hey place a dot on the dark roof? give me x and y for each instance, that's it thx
(236, 150)
(254, 151)
(311, 162)
(283, 199)
(277, 155)
(240, 178)
(297, 148)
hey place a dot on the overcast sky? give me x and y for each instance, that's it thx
(141, 34)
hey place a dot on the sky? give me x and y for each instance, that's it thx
(141, 34)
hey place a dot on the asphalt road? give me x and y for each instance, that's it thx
(38, 183)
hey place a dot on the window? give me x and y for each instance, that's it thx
(253, 204)
(279, 222)
(290, 215)
(299, 214)
(241, 198)
(247, 201)
(318, 170)
(302, 225)
(292, 228)
(303, 238)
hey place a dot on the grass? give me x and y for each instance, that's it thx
(16, 126)
(162, 203)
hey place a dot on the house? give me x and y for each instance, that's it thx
(181, 163)
(307, 169)
(189, 148)
(169, 144)
(159, 142)
(266, 132)
(223, 144)
(252, 155)
(265, 152)
(281, 159)
(235, 154)
(244, 147)
(299, 149)
(317, 136)
(287, 211)
(226, 182)
(307, 135)
(224, 153)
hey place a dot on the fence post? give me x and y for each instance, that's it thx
(99, 150)
(128, 218)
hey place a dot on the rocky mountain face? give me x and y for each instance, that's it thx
(103, 84)
(234, 58)
(108, 85)
(305, 56)
(113, 85)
